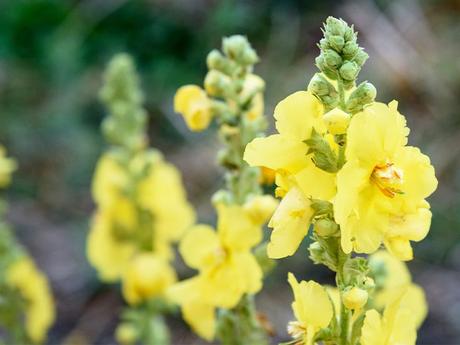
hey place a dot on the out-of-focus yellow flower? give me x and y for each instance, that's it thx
(227, 268)
(126, 334)
(139, 206)
(396, 279)
(286, 153)
(7, 166)
(382, 187)
(256, 109)
(396, 326)
(194, 105)
(33, 287)
(312, 309)
(146, 276)
(267, 176)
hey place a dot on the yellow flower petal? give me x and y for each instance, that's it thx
(290, 224)
(311, 305)
(200, 247)
(297, 114)
(276, 152)
(192, 102)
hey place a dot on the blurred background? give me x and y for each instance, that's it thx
(52, 54)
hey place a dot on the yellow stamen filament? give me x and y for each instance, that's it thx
(388, 179)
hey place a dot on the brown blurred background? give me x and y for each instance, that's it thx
(52, 54)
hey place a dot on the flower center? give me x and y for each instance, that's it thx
(388, 178)
(295, 329)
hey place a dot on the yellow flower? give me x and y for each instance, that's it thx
(312, 309)
(396, 279)
(146, 276)
(286, 153)
(194, 105)
(155, 210)
(227, 268)
(33, 286)
(382, 187)
(253, 87)
(163, 194)
(290, 224)
(7, 166)
(396, 326)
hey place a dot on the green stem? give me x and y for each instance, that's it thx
(341, 92)
(344, 312)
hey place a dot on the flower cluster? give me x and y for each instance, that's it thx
(142, 208)
(342, 163)
(27, 309)
(228, 270)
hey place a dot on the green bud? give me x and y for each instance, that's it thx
(321, 64)
(350, 49)
(335, 26)
(337, 42)
(216, 83)
(369, 283)
(238, 48)
(349, 70)
(325, 227)
(323, 44)
(320, 86)
(364, 94)
(361, 57)
(332, 59)
(349, 34)
(215, 60)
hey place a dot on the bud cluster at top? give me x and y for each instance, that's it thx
(340, 62)
(123, 97)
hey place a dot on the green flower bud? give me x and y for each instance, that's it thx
(319, 85)
(321, 64)
(349, 70)
(335, 26)
(332, 59)
(361, 57)
(238, 48)
(337, 42)
(323, 44)
(364, 94)
(325, 227)
(216, 83)
(369, 283)
(349, 34)
(215, 60)
(350, 49)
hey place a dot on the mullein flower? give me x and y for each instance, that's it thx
(194, 105)
(312, 308)
(227, 269)
(393, 277)
(396, 326)
(23, 276)
(118, 231)
(147, 276)
(382, 187)
(288, 154)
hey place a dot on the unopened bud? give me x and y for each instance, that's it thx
(349, 70)
(332, 59)
(215, 60)
(336, 121)
(126, 334)
(361, 57)
(325, 227)
(350, 49)
(355, 298)
(335, 26)
(216, 83)
(238, 48)
(324, 44)
(319, 85)
(336, 42)
(364, 94)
